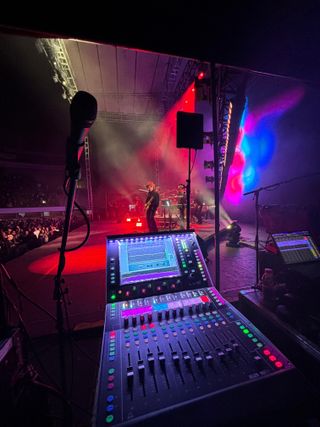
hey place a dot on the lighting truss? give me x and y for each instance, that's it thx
(58, 58)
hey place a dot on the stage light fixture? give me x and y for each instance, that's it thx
(208, 138)
(233, 235)
(210, 179)
(208, 164)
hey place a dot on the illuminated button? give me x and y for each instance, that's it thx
(110, 398)
(259, 344)
(245, 331)
(110, 408)
(242, 327)
(279, 364)
(110, 378)
(111, 371)
(266, 352)
(109, 419)
(250, 335)
(110, 386)
(272, 358)
(113, 297)
(254, 340)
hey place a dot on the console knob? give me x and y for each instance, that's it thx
(198, 308)
(190, 309)
(159, 316)
(181, 312)
(167, 314)
(174, 313)
(142, 319)
(134, 321)
(149, 317)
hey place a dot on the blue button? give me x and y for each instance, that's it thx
(110, 398)
(111, 358)
(110, 408)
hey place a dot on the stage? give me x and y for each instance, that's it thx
(85, 278)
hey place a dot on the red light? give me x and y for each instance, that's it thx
(127, 293)
(201, 75)
(143, 327)
(266, 352)
(151, 325)
(272, 358)
(143, 291)
(278, 364)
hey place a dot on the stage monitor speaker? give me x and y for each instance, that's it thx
(189, 130)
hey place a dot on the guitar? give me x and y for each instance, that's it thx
(148, 203)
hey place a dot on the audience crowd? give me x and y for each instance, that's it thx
(20, 235)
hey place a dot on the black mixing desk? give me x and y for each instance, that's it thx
(174, 351)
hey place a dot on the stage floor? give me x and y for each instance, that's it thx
(84, 274)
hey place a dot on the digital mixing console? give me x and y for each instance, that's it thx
(173, 349)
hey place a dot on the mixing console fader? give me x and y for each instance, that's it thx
(175, 350)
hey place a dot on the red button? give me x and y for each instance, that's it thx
(112, 334)
(110, 386)
(266, 352)
(110, 378)
(204, 298)
(279, 364)
(151, 325)
(272, 358)
(143, 327)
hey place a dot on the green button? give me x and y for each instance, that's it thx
(245, 331)
(250, 335)
(109, 419)
(254, 340)
(113, 305)
(113, 297)
(111, 371)
(111, 353)
(241, 327)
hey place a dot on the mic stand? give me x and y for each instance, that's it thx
(73, 172)
(256, 194)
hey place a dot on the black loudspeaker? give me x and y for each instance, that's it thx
(189, 130)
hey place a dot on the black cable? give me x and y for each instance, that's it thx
(24, 329)
(21, 293)
(84, 216)
(35, 353)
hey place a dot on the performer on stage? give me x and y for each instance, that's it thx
(151, 205)
(182, 203)
(198, 202)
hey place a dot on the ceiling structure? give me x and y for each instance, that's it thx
(128, 84)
